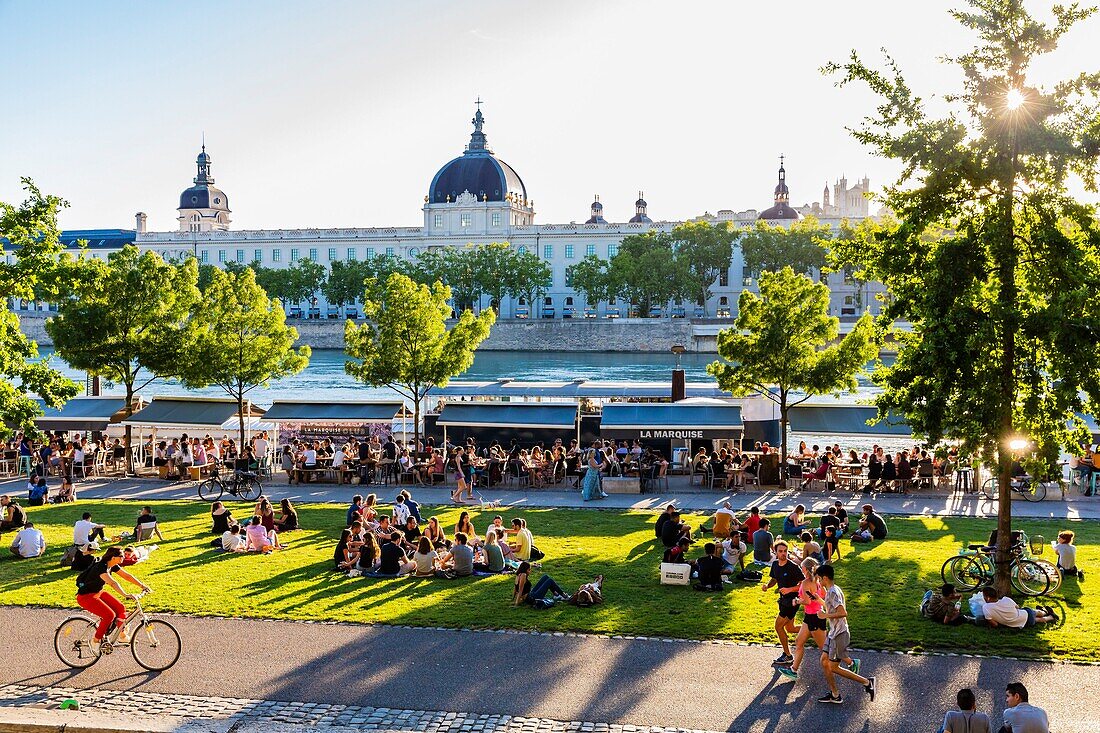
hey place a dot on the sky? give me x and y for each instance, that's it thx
(338, 114)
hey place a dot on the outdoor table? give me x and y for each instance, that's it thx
(963, 479)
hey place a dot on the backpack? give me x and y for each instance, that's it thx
(86, 576)
(68, 556)
(750, 576)
(536, 554)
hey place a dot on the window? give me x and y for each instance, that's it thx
(240, 255)
(465, 220)
(569, 301)
(221, 255)
(724, 277)
(276, 255)
(612, 250)
(522, 249)
(496, 218)
(205, 256)
(370, 252)
(351, 254)
(568, 251)
(746, 276)
(849, 300)
(312, 254)
(389, 251)
(548, 301)
(437, 221)
(414, 252)
(258, 255)
(590, 250)
(295, 255)
(331, 254)
(547, 251)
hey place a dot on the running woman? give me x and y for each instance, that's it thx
(809, 594)
(837, 641)
(92, 594)
(787, 576)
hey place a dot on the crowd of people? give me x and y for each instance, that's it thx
(259, 533)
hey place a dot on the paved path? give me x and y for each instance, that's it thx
(548, 677)
(923, 503)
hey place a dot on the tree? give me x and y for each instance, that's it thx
(705, 251)
(647, 271)
(405, 344)
(242, 340)
(771, 247)
(303, 279)
(128, 321)
(591, 277)
(346, 281)
(531, 277)
(994, 263)
(495, 271)
(778, 346)
(31, 230)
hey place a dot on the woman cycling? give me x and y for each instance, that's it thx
(92, 595)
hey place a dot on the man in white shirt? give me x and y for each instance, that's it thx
(733, 552)
(28, 542)
(261, 446)
(85, 530)
(233, 540)
(1020, 716)
(1000, 611)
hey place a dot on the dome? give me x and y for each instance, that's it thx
(478, 171)
(204, 196)
(641, 203)
(779, 212)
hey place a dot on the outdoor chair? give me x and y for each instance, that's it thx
(146, 530)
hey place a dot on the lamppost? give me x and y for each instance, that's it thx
(679, 385)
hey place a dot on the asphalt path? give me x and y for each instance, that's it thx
(641, 682)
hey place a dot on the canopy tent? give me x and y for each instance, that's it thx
(358, 413)
(845, 420)
(573, 390)
(677, 421)
(191, 413)
(83, 414)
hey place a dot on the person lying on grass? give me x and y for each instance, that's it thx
(588, 594)
(524, 592)
(943, 606)
(1003, 611)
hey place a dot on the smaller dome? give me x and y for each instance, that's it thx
(597, 206)
(641, 202)
(779, 212)
(204, 158)
(204, 196)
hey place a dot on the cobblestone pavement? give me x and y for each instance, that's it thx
(302, 713)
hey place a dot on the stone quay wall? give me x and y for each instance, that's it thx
(622, 334)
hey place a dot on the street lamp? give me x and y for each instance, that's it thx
(1018, 444)
(678, 349)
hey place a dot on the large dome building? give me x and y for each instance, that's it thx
(203, 207)
(781, 210)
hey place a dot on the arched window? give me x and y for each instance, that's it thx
(569, 301)
(414, 252)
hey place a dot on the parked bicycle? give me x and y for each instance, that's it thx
(1029, 489)
(974, 568)
(155, 643)
(243, 484)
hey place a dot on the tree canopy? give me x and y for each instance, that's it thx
(771, 247)
(992, 261)
(782, 344)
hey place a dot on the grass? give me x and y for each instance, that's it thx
(883, 582)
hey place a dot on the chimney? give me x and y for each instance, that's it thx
(139, 222)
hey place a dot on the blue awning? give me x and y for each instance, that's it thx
(663, 421)
(844, 420)
(574, 390)
(82, 413)
(189, 413)
(357, 413)
(508, 415)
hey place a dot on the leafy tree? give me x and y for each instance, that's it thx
(778, 346)
(531, 277)
(304, 279)
(405, 344)
(994, 263)
(771, 247)
(591, 277)
(128, 321)
(704, 250)
(241, 340)
(31, 230)
(647, 271)
(495, 271)
(346, 281)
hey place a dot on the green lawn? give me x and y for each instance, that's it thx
(883, 582)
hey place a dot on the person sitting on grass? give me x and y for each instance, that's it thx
(343, 557)
(383, 529)
(762, 543)
(830, 545)
(796, 523)
(425, 558)
(14, 515)
(492, 555)
(370, 555)
(147, 517)
(355, 511)
(434, 532)
(711, 568)
(673, 530)
(662, 518)
(943, 606)
(394, 561)
(1003, 611)
(401, 511)
(871, 526)
(733, 553)
(1067, 555)
(827, 520)
(411, 532)
(536, 595)
(465, 526)
(725, 523)
(288, 517)
(678, 554)
(524, 540)
(460, 560)
(261, 539)
(588, 594)
(221, 519)
(132, 555)
(233, 540)
(38, 492)
(85, 557)
(28, 542)
(809, 549)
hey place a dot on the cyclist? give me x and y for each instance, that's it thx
(93, 597)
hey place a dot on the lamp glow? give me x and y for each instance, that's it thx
(1017, 444)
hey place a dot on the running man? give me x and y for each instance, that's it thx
(837, 640)
(787, 576)
(93, 596)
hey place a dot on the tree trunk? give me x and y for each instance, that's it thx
(240, 422)
(783, 444)
(416, 421)
(127, 437)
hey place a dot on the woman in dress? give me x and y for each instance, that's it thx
(591, 487)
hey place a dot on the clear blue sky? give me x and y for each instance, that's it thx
(338, 113)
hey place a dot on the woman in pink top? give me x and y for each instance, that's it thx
(261, 539)
(810, 594)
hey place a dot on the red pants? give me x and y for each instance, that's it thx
(106, 606)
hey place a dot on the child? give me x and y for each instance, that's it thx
(1067, 555)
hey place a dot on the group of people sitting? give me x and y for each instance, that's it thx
(179, 455)
(260, 533)
(883, 470)
(87, 534)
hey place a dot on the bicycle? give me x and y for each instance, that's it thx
(243, 484)
(155, 644)
(1024, 486)
(974, 568)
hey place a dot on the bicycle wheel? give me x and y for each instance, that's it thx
(1052, 572)
(1034, 491)
(965, 572)
(75, 644)
(1029, 578)
(156, 645)
(211, 489)
(249, 488)
(989, 488)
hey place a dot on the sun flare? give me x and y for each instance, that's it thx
(1014, 99)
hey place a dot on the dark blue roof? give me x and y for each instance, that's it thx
(509, 414)
(779, 212)
(110, 239)
(479, 172)
(204, 196)
(844, 420)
